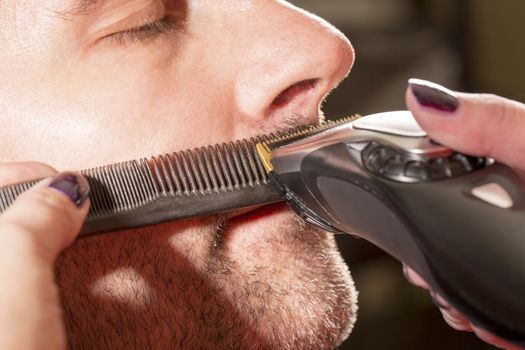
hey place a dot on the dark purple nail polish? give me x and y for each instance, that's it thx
(72, 185)
(432, 95)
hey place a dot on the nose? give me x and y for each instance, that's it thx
(290, 61)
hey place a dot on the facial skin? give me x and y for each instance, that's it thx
(84, 87)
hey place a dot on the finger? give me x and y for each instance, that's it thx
(414, 278)
(11, 173)
(480, 125)
(48, 216)
(456, 320)
(492, 339)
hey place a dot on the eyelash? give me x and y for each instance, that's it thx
(146, 31)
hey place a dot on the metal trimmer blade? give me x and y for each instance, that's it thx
(266, 144)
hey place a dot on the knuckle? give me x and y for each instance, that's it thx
(53, 208)
(502, 116)
(14, 237)
(38, 223)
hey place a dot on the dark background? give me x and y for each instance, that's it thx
(474, 46)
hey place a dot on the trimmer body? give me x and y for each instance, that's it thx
(457, 220)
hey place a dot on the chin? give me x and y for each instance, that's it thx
(287, 280)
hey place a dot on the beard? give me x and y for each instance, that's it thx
(251, 282)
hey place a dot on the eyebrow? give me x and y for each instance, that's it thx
(85, 5)
(80, 7)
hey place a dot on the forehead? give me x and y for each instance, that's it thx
(59, 6)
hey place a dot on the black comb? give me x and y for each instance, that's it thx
(186, 184)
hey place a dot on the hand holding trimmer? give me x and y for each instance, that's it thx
(457, 220)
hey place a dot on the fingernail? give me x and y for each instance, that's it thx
(73, 185)
(439, 301)
(407, 275)
(458, 323)
(432, 95)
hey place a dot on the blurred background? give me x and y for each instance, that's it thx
(467, 45)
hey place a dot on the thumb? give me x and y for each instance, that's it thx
(49, 215)
(475, 124)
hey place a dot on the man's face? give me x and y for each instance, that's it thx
(88, 83)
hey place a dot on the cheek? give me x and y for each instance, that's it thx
(145, 114)
(94, 119)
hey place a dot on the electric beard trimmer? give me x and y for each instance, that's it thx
(457, 220)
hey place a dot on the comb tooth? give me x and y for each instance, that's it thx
(173, 172)
(182, 175)
(235, 176)
(10, 195)
(117, 187)
(191, 177)
(157, 176)
(133, 192)
(24, 187)
(4, 202)
(96, 207)
(146, 179)
(94, 195)
(224, 167)
(138, 180)
(107, 201)
(150, 176)
(238, 165)
(216, 169)
(196, 172)
(245, 163)
(121, 193)
(251, 161)
(17, 190)
(208, 159)
(202, 168)
(167, 178)
(7, 197)
(111, 201)
(123, 186)
(108, 174)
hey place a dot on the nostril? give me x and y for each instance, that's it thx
(294, 90)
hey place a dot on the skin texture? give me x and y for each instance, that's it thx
(83, 87)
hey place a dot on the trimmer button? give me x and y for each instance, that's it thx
(399, 166)
(495, 194)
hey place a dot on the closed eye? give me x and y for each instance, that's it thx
(144, 32)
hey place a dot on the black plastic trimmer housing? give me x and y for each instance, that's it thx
(457, 220)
